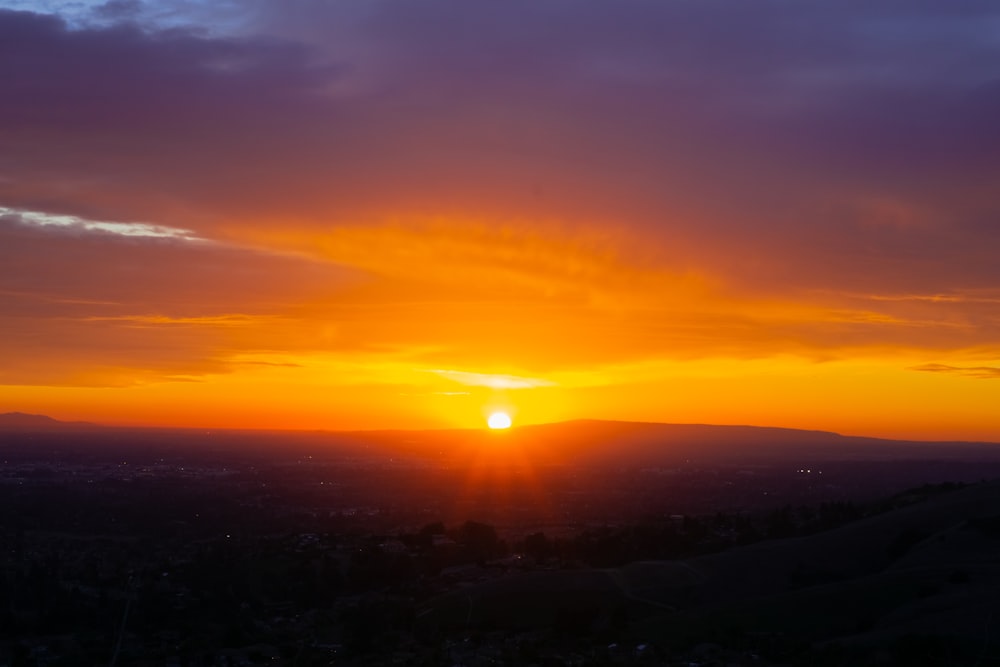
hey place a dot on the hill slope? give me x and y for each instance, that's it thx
(930, 569)
(20, 421)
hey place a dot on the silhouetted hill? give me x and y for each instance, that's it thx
(927, 570)
(580, 442)
(20, 421)
(596, 442)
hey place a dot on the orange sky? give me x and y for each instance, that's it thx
(369, 216)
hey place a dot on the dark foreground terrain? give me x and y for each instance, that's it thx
(589, 543)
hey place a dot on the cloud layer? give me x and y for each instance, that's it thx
(473, 186)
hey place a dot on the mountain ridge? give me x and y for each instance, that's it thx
(600, 443)
(569, 428)
(27, 421)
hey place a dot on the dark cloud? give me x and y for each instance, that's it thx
(118, 10)
(829, 143)
(116, 123)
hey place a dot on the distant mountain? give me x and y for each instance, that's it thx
(582, 442)
(597, 442)
(20, 421)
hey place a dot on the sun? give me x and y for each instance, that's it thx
(498, 420)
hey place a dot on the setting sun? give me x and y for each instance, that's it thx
(392, 239)
(499, 420)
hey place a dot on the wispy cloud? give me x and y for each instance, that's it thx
(226, 320)
(933, 298)
(129, 229)
(493, 381)
(979, 372)
(273, 364)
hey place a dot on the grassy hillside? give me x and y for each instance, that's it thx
(920, 578)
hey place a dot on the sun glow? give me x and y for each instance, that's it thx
(499, 420)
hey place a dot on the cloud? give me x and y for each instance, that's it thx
(769, 128)
(118, 10)
(935, 298)
(979, 372)
(492, 380)
(223, 320)
(139, 229)
(78, 269)
(85, 306)
(546, 184)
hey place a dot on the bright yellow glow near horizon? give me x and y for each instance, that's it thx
(542, 326)
(418, 244)
(873, 397)
(499, 421)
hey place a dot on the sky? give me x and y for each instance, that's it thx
(368, 214)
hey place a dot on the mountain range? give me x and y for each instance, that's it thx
(583, 442)
(20, 421)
